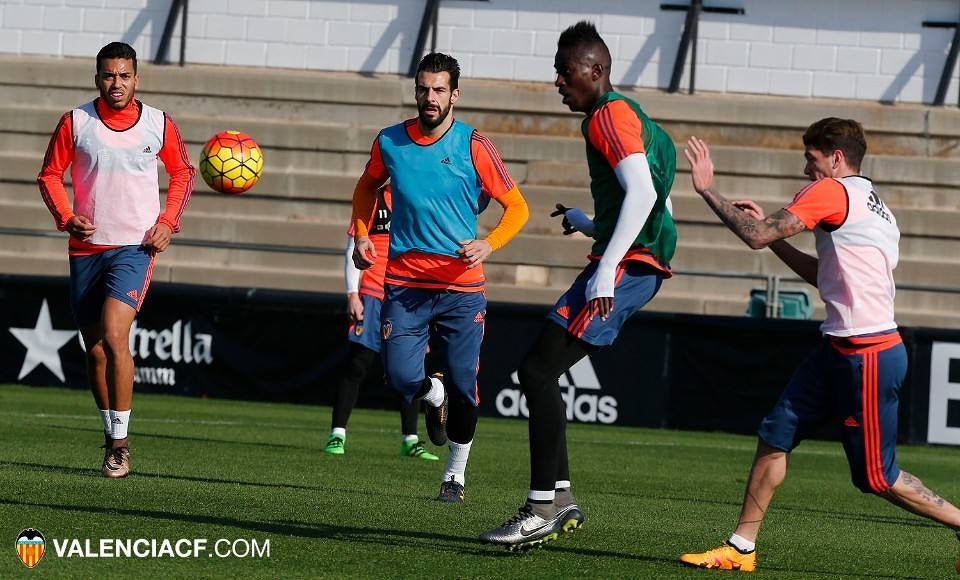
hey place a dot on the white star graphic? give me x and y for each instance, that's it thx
(43, 344)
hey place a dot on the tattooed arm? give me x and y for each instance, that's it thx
(800, 262)
(746, 219)
(756, 233)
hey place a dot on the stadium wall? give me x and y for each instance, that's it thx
(876, 50)
(665, 370)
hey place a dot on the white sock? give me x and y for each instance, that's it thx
(541, 496)
(562, 485)
(410, 439)
(105, 416)
(340, 432)
(457, 462)
(119, 420)
(741, 543)
(434, 396)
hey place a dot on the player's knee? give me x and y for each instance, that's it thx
(96, 353)
(533, 378)
(116, 343)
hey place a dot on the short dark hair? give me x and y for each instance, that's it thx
(833, 134)
(117, 50)
(436, 62)
(582, 32)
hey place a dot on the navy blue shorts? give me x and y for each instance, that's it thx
(123, 273)
(366, 332)
(456, 318)
(855, 381)
(637, 283)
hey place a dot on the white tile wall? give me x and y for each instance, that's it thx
(860, 49)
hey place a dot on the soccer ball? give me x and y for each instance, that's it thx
(231, 162)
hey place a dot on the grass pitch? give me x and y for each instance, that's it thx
(249, 471)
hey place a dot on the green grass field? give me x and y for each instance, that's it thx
(236, 470)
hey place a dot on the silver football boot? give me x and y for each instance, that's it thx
(533, 526)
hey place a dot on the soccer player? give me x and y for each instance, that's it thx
(116, 225)
(855, 374)
(439, 169)
(364, 301)
(632, 162)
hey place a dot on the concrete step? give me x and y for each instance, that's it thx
(895, 130)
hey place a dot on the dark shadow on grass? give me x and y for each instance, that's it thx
(212, 480)
(916, 522)
(142, 435)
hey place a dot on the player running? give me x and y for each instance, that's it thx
(854, 376)
(439, 169)
(116, 225)
(632, 162)
(364, 301)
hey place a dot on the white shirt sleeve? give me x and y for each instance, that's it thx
(633, 172)
(350, 273)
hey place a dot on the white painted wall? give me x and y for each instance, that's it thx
(858, 49)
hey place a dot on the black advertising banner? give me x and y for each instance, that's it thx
(665, 370)
(725, 368)
(192, 340)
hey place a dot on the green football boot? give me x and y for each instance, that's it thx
(334, 446)
(417, 450)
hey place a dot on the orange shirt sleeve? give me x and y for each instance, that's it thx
(173, 154)
(823, 201)
(515, 215)
(365, 193)
(615, 131)
(494, 177)
(50, 180)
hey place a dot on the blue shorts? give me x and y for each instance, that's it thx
(854, 381)
(456, 318)
(123, 273)
(637, 284)
(366, 332)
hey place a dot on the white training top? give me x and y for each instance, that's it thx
(115, 182)
(857, 259)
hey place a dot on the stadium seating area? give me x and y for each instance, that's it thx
(316, 130)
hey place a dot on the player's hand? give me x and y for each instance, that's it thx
(80, 227)
(750, 208)
(574, 220)
(600, 290)
(364, 254)
(567, 226)
(158, 238)
(701, 166)
(473, 252)
(354, 307)
(602, 306)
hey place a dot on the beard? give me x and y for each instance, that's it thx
(431, 122)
